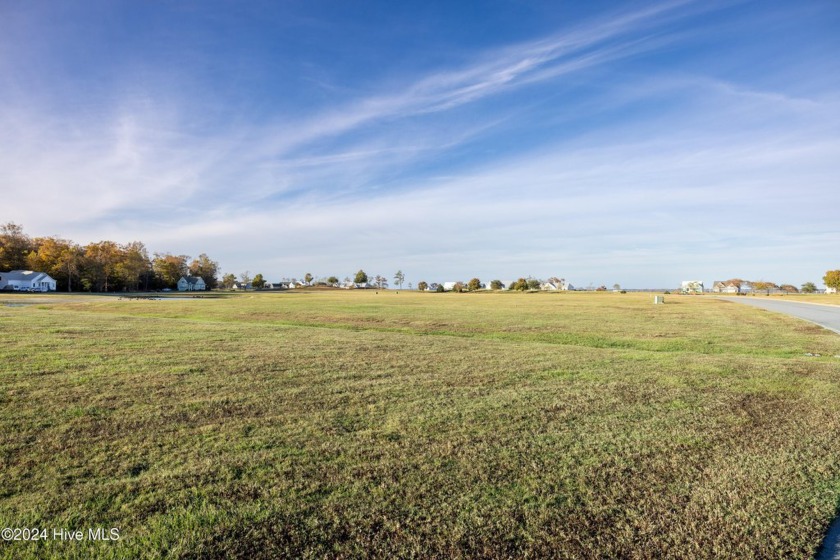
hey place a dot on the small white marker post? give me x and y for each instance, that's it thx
(658, 299)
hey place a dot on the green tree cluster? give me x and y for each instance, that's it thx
(520, 285)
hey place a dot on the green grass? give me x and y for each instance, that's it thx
(336, 424)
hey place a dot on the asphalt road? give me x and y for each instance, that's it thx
(827, 316)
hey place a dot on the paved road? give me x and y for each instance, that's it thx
(827, 316)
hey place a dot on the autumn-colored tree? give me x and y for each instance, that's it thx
(207, 269)
(474, 284)
(228, 280)
(100, 264)
(170, 268)
(762, 285)
(133, 265)
(832, 279)
(422, 286)
(458, 287)
(57, 257)
(15, 247)
(789, 288)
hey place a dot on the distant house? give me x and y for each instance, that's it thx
(831, 290)
(284, 285)
(691, 287)
(191, 284)
(26, 281)
(558, 284)
(725, 288)
(719, 287)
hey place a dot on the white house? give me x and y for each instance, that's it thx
(26, 281)
(191, 284)
(724, 288)
(556, 284)
(831, 290)
(691, 287)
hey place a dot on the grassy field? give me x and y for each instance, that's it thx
(355, 424)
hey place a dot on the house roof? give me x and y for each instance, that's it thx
(23, 275)
(192, 279)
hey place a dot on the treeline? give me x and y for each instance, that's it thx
(741, 286)
(104, 266)
(475, 284)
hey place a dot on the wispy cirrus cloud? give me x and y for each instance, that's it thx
(572, 50)
(131, 155)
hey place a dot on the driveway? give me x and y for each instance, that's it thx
(827, 316)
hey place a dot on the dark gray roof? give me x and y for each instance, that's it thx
(22, 275)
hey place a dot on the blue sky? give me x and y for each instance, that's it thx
(603, 142)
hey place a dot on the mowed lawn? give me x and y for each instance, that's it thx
(354, 424)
